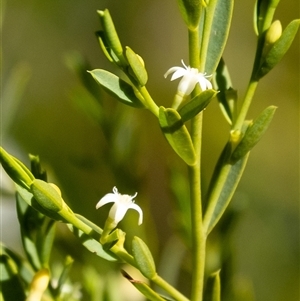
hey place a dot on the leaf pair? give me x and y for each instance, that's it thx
(172, 125)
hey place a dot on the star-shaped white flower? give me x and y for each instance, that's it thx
(122, 202)
(190, 78)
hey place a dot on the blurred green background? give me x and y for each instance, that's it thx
(41, 114)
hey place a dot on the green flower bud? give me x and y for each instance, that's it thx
(47, 195)
(143, 258)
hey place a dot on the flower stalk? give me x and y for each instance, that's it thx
(198, 238)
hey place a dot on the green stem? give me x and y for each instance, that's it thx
(198, 237)
(149, 102)
(168, 288)
(246, 104)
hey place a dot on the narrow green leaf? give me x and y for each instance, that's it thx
(263, 14)
(36, 168)
(110, 32)
(143, 258)
(30, 222)
(105, 47)
(213, 288)
(137, 67)
(190, 11)
(278, 49)
(143, 288)
(222, 190)
(253, 133)
(177, 134)
(117, 87)
(16, 170)
(91, 244)
(45, 239)
(227, 96)
(196, 105)
(218, 15)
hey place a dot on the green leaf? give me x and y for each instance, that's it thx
(110, 55)
(143, 288)
(91, 244)
(190, 11)
(37, 232)
(218, 15)
(177, 134)
(222, 189)
(110, 32)
(30, 222)
(263, 14)
(27, 197)
(213, 288)
(11, 285)
(143, 258)
(278, 49)
(117, 87)
(45, 239)
(16, 170)
(36, 168)
(137, 67)
(227, 96)
(196, 105)
(253, 133)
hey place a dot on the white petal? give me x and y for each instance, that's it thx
(174, 70)
(204, 82)
(139, 210)
(118, 211)
(180, 72)
(108, 198)
(187, 84)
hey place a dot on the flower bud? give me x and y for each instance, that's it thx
(274, 32)
(272, 35)
(47, 195)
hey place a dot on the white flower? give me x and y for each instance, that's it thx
(190, 78)
(122, 202)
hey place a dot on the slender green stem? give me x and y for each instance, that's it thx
(246, 104)
(169, 288)
(198, 238)
(149, 102)
(194, 48)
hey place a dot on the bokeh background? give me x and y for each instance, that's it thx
(43, 113)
